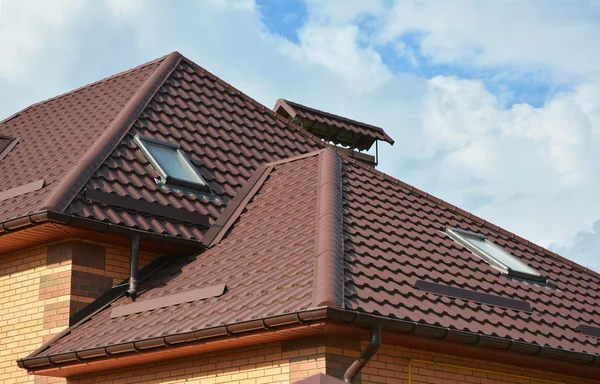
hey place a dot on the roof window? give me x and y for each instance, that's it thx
(171, 163)
(6, 145)
(495, 255)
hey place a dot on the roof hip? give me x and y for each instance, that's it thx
(70, 185)
(329, 256)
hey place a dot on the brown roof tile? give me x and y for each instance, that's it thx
(280, 255)
(57, 133)
(265, 262)
(297, 227)
(333, 127)
(226, 134)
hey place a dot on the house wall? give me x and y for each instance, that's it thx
(391, 365)
(289, 362)
(270, 363)
(41, 287)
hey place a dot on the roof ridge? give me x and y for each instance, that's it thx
(230, 88)
(293, 103)
(237, 205)
(72, 183)
(328, 281)
(462, 212)
(86, 86)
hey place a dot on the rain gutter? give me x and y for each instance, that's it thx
(302, 318)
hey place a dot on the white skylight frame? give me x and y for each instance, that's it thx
(194, 180)
(511, 265)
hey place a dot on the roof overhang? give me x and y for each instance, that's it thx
(14, 227)
(318, 321)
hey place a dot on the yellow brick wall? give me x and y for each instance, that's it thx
(35, 301)
(257, 365)
(390, 365)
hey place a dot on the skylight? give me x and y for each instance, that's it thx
(495, 255)
(171, 163)
(6, 145)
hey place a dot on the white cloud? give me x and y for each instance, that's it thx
(531, 170)
(26, 30)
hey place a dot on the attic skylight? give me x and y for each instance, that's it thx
(171, 163)
(495, 255)
(6, 145)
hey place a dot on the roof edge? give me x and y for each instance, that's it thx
(8, 118)
(328, 289)
(47, 216)
(303, 318)
(462, 212)
(72, 183)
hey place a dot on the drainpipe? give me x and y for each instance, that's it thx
(134, 267)
(366, 355)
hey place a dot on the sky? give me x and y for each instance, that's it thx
(494, 105)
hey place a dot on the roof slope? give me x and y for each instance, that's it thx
(355, 239)
(265, 262)
(55, 134)
(346, 131)
(225, 133)
(393, 238)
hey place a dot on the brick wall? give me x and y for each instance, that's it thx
(390, 365)
(289, 362)
(41, 287)
(271, 363)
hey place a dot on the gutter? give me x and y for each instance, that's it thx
(301, 318)
(43, 217)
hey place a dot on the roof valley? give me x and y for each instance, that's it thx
(329, 255)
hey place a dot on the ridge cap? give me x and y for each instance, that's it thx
(328, 270)
(93, 158)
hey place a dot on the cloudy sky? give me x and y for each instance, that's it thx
(494, 105)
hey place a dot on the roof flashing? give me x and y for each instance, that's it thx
(167, 301)
(7, 143)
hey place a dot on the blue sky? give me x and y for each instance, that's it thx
(494, 106)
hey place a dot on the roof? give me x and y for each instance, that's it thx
(332, 127)
(358, 241)
(225, 133)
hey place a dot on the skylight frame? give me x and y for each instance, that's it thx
(165, 179)
(12, 142)
(461, 237)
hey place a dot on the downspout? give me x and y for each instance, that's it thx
(366, 355)
(134, 266)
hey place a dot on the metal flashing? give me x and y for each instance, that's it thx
(479, 297)
(22, 189)
(167, 301)
(589, 330)
(147, 207)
